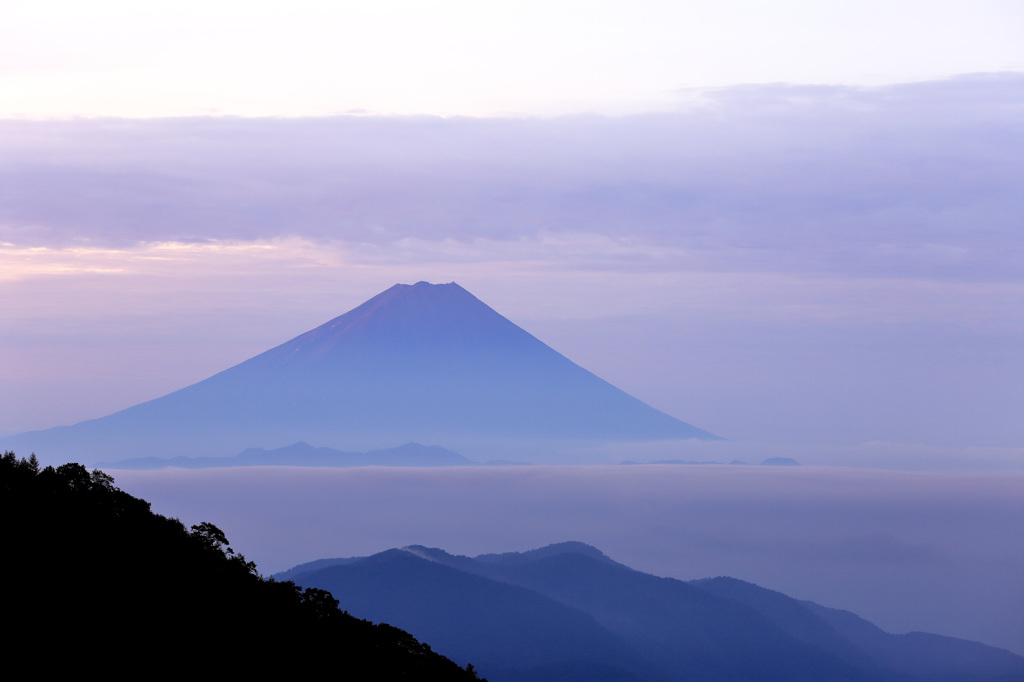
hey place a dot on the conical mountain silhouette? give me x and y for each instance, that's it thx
(423, 362)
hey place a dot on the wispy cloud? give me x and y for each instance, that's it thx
(912, 180)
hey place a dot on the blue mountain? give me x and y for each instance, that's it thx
(569, 613)
(417, 363)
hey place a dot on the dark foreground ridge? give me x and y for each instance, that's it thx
(568, 613)
(93, 581)
(425, 363)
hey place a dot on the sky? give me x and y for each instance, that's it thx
(789, 223)
(821, 266)
(793, 224)
(455, 57)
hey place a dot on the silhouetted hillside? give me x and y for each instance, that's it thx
(94, 582)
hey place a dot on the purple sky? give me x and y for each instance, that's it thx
(833, 269)
(829, 272)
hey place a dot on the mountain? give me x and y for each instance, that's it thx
(417, 363)
(612, 623)
(504, 629)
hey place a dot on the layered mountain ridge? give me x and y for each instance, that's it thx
(568, 612)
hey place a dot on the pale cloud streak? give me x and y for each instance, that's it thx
(893, 182)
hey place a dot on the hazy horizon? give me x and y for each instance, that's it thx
(925, 551)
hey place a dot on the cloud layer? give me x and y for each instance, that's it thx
(913, 180)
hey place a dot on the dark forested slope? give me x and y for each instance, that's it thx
(94, 580)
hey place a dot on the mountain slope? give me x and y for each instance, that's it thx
(672, 625)
(97, 583)
(714, 630)
(930, 657)
(423, 363)
(506, 631)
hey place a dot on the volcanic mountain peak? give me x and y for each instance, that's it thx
(421, 319)
(408, 310)
(427, 363)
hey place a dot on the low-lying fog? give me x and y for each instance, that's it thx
(937, 552)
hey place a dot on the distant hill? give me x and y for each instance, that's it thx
(95, 584)
(305, 455)
(417, 363)
(780, 462)
(614, 623)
